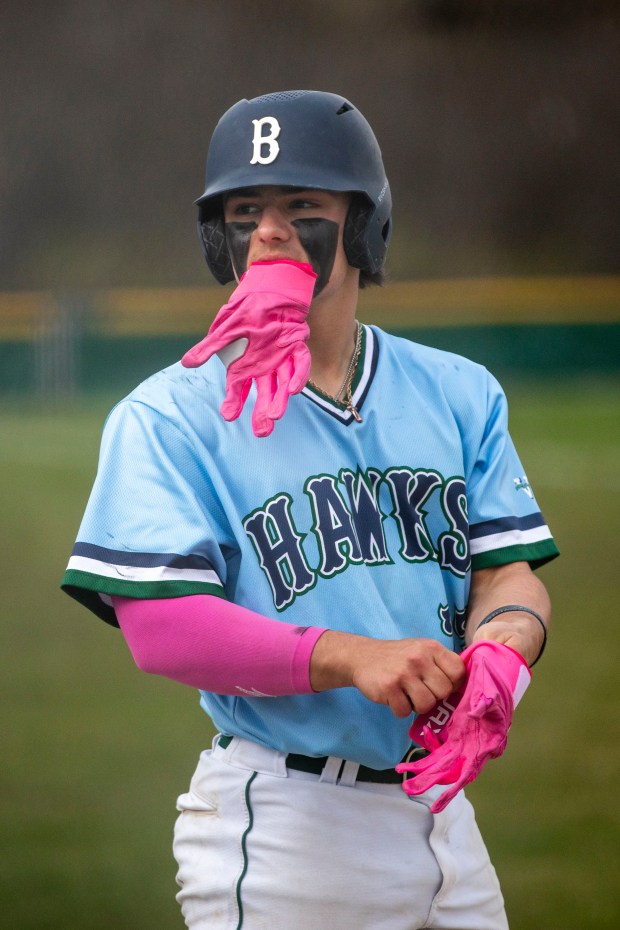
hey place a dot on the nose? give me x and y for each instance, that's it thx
(273, 225)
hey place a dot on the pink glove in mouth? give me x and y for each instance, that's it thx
(463, 732)
(260, 335)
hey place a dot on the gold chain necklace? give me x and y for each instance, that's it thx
(348, 378)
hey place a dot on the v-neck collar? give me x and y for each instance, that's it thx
(362, 379)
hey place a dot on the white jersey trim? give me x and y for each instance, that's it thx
(140, 573)
(513, 537)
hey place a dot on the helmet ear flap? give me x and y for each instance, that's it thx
(364, 243)
(212, 237)
(354, 234)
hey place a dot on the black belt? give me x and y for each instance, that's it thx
(315, 765)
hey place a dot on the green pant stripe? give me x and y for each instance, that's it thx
(244, 848)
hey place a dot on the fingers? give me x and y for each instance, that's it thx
(442, 767)
(445, 766)
(282, 380)
(272, 393)
(436, 681)
(452, 666)
(428, 739)
(444, 799)
(400, 704)
(301, 362)
(261, 425)
(291, 376)
(411, 694)
(200, 353)
(237, 390)
(262, 420)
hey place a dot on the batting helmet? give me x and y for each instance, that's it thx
(298, 138)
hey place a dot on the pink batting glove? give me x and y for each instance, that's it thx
(261, 334)
(463, 732)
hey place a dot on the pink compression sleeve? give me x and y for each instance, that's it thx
(208, 643)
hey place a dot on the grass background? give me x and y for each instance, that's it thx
(95, 752)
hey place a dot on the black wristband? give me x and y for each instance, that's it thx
(526, 610)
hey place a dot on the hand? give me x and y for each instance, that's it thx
(404, 674)
(261, 334)
(463, 733)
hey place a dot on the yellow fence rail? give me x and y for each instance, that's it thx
(402, 304)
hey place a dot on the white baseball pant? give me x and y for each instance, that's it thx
(260, 847)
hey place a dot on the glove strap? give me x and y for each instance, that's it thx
(527, 610)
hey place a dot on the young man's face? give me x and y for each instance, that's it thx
(266, 223)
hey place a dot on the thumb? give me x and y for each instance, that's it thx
(200, 353)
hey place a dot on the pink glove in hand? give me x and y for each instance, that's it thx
(261, 334)
(463, 732)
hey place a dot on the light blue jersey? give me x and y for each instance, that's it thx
(371, 527)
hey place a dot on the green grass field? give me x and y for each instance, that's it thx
(95, 752)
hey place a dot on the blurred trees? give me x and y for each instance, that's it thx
(499, 121)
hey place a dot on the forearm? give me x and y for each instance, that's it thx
(504, 586)
(208, 643)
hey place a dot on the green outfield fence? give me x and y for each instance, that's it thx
(55, 345)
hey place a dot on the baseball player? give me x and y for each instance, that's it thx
(327, 531)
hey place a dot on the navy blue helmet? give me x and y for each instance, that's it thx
(298, 138)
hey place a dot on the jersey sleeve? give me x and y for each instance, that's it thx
(153, 527)
(505, 521)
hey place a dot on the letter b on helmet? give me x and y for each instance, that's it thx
(261, 140)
